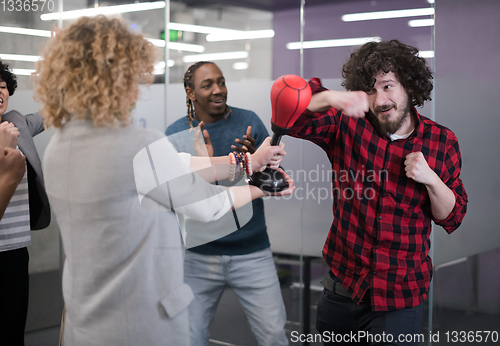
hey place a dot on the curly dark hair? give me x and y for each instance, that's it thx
(8, 77)
(389, 56)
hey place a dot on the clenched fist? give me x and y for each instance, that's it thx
(12, 166)
(418, 169)
(8, 135)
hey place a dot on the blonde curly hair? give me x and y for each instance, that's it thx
(92, 70)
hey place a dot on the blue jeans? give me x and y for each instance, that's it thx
(340, 315)
(253, 279)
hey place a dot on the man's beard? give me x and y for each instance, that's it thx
(388, 127)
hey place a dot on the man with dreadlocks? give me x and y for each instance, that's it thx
(378, 244)
(240, 258)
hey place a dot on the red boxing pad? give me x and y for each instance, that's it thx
(290, 96)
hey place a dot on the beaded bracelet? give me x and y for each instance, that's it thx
(237, 162)
(248, 161)
(242, 164)
(232, 167)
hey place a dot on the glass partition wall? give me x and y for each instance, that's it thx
(254, 44)
(466, 299)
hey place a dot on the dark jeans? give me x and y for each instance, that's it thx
(14, 291)
(340, 319)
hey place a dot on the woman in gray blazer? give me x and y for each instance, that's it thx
(123, 272)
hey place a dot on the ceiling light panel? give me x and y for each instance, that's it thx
(415, 12)
(19, 57)
(106, 10)
(341, 42)
(215, 56)
(240, 35)
(416, 23)
(25, 31)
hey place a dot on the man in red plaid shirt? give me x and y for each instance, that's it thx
(403, 171)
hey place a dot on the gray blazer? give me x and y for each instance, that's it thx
(123, 280)
(29, 126)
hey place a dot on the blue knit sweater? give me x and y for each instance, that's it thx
(252, 236)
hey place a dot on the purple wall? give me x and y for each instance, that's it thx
(467, 93)
(324, 22)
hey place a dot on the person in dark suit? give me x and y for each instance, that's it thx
(28, 209)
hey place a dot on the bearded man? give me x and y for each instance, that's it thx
(378, 244)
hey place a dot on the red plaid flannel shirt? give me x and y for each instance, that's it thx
(379, 238)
